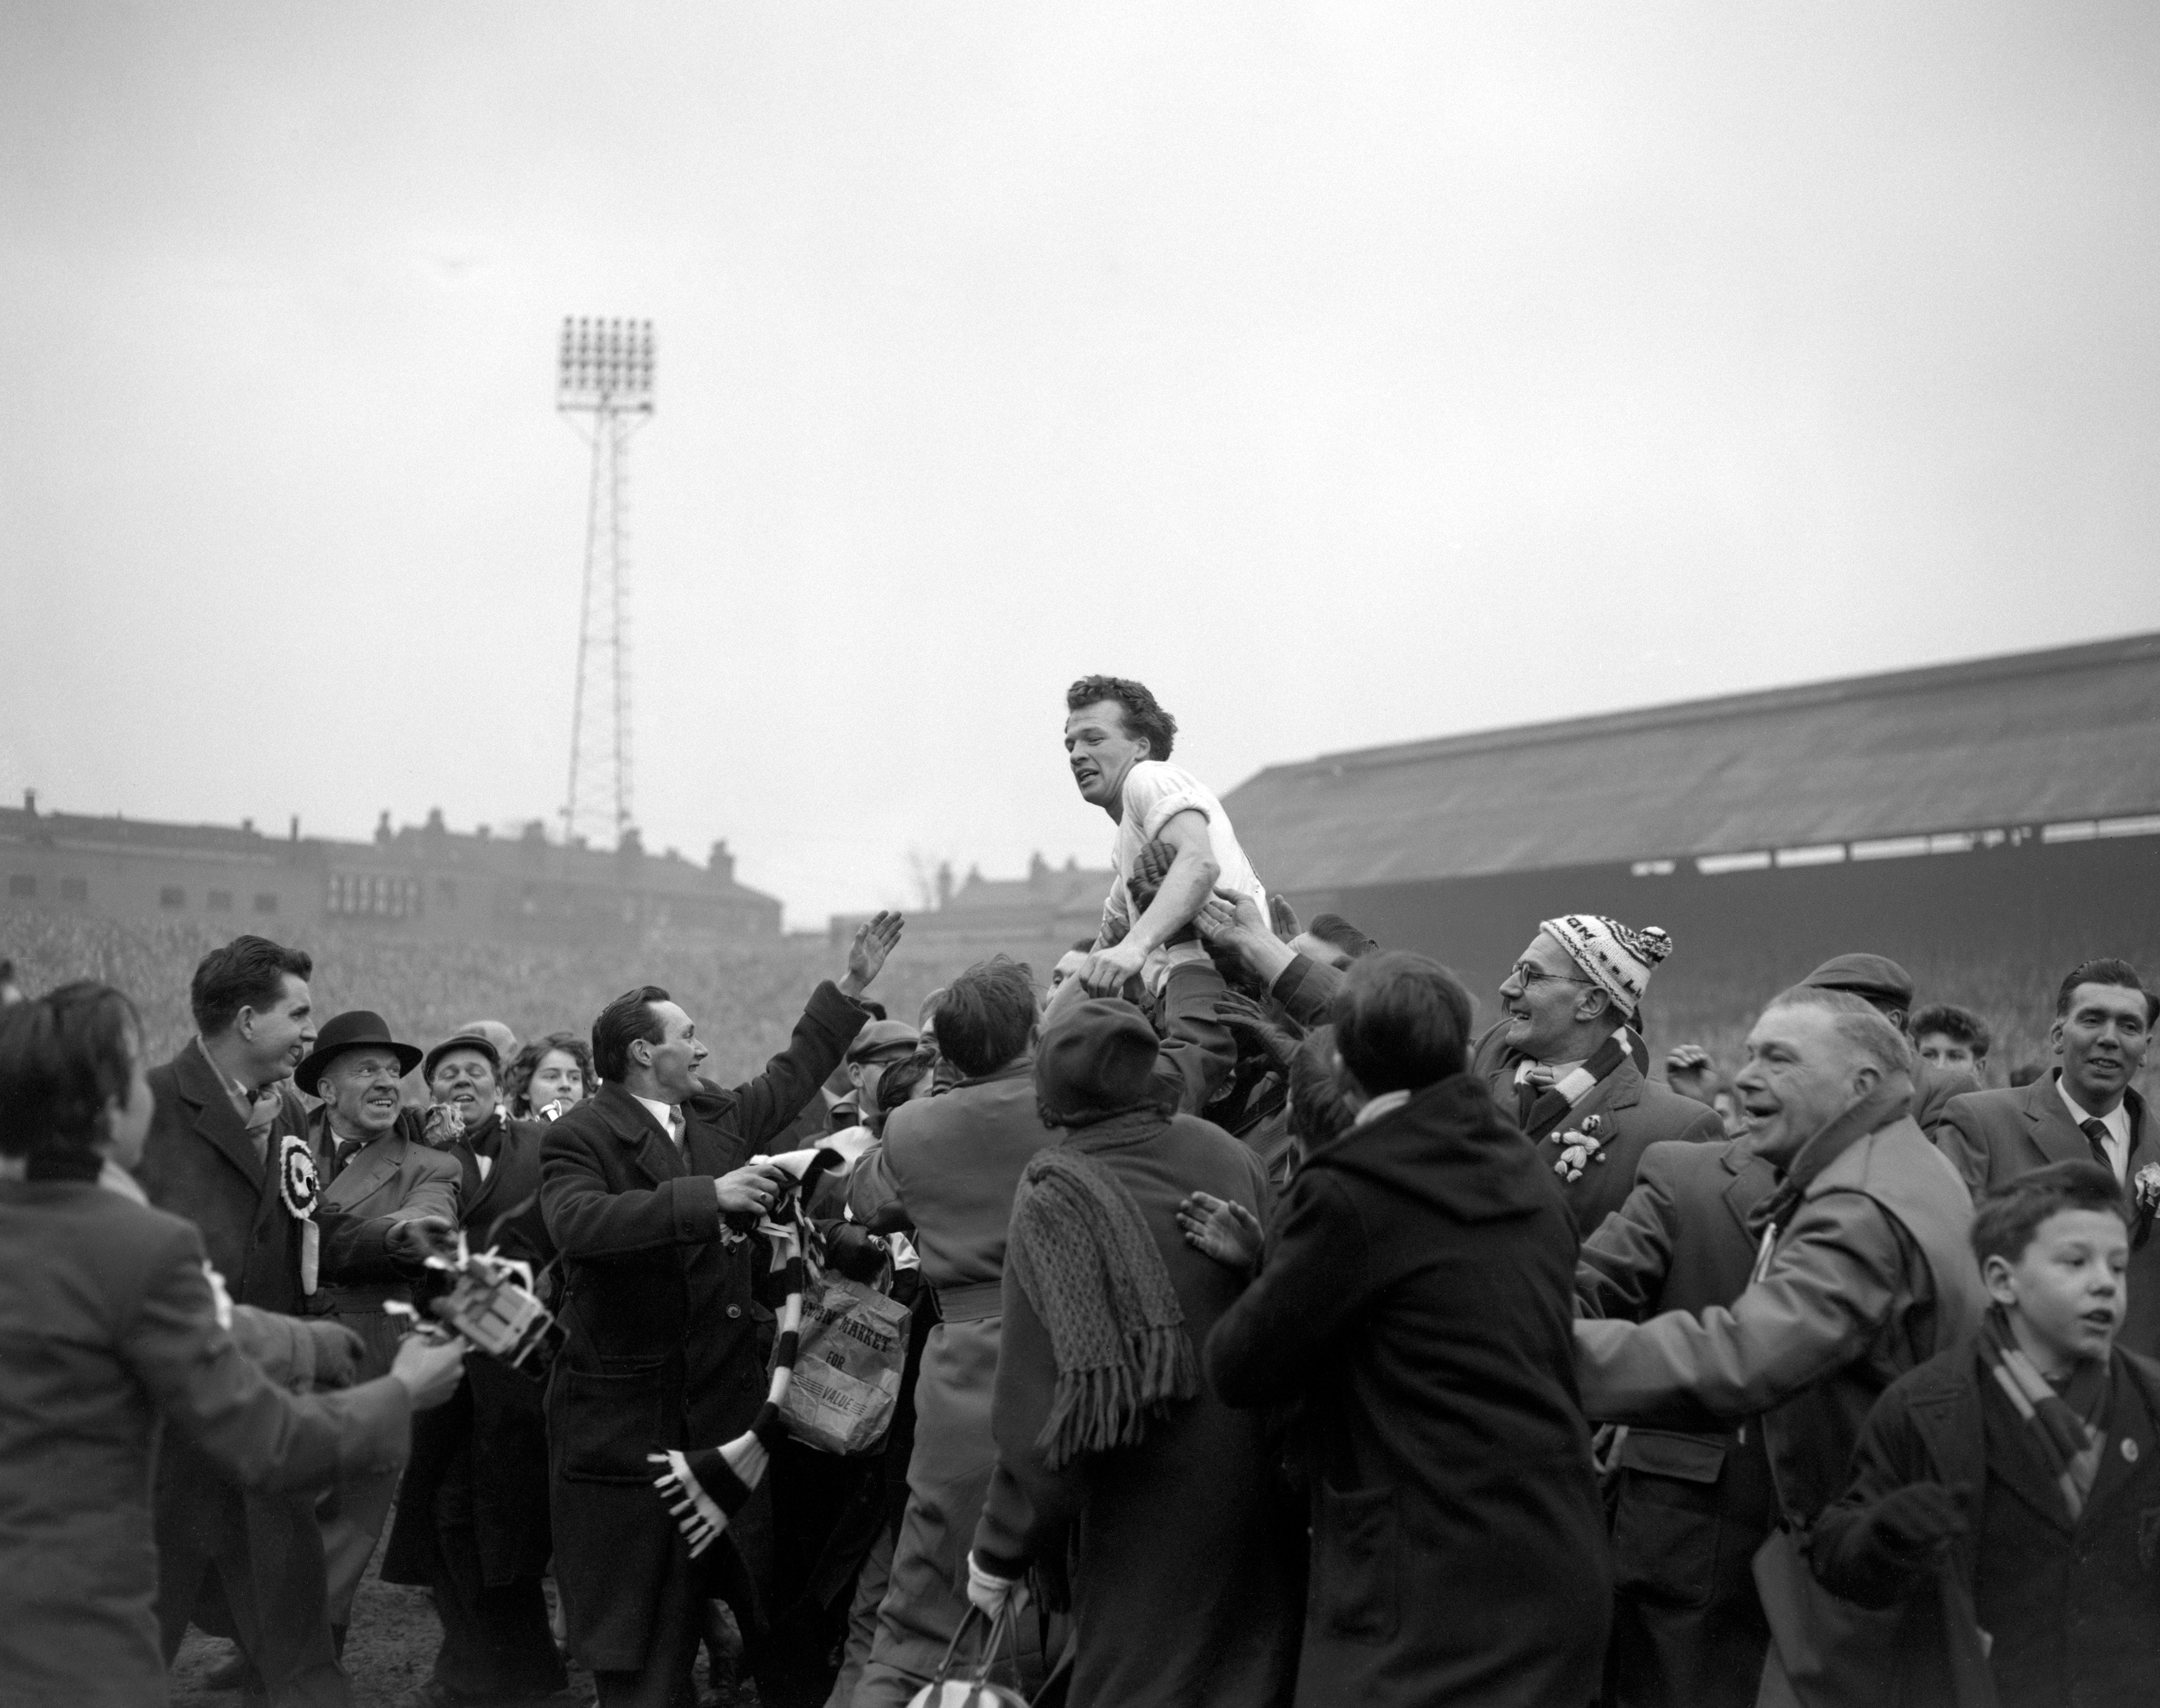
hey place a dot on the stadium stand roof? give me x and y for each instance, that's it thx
(2026, 739)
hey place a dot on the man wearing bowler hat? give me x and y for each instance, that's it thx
(375, 1168)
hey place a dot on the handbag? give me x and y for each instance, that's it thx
(848, 1371)
(975, 1690)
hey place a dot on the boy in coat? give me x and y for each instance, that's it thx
(2007, 1493)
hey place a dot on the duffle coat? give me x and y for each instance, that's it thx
(663, 1346)
(1416, 1296)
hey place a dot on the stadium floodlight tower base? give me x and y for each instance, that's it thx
(604, 371)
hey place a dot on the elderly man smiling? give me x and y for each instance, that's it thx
(1564, 1061)
(1864, 1273)
(374, 1168)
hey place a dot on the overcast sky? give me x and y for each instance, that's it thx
(1350, 375)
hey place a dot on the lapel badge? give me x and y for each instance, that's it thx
(2129, 1451)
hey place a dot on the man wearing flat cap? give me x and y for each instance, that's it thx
(375, 1169)
(472, 1513)
(1566, 1063)
(1887, 988)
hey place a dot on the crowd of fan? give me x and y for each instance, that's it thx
(1224, 1317)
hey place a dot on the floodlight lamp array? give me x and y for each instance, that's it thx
(605, 364)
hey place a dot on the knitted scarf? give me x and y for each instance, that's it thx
(2068, 1446)
(1084, 1256)
(1558, 1097)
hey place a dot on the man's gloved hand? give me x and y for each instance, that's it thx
(1914, 1524)
(338, 1352)
(991, 1593)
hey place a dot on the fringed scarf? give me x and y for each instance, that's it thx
(2067, 1445)
(1081, 1253)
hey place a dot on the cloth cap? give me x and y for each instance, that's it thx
(1097, 1061)
(884, 1041)
(1875, 979)
(1618, 958)
(359, 1028)
(463, 1040)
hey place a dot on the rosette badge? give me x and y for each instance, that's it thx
(300, 1188)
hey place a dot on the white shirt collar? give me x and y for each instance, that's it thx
(2116, 1120)
(662, 1112)
(1386, 1103)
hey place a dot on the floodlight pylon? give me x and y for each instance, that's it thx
(604, 387)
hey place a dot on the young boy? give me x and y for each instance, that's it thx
(2008, 1492)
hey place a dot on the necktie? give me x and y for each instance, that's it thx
(1531, 1085)
(675, 1124)
(2096, 1135)
(347, 1149)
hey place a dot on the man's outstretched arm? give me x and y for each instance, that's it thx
(1186, 888)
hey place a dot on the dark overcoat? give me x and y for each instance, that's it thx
(1417, 1296)
(663, 1347)
(1995, 1136)
(1691, 1505)
(199, 1163)
(1632, 1112)
(497, 1410)
(2072, 1605)
(1184, 1564)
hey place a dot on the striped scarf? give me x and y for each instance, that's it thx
(1544, 1101)
(2067, 1445)
(1082, 1254)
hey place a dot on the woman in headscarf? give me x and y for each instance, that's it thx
(1114, 1458)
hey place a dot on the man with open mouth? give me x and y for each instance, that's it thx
(376, 1170)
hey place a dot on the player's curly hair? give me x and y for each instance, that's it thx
(1144, 715)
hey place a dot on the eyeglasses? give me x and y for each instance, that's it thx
(1527, 973)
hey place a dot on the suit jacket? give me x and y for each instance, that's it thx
(109, 1329)
(1632, 1112)
(1995, 1136)
(395, 1178)
(493, 1432)
(1691, 1505)
(663, 1345)
(2101, 1569)
(199, 1163)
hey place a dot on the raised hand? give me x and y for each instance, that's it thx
(1223, 1229)
(874, 941)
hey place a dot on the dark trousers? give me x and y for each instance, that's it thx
(678, 1629)
(495, 1639)
(249, 1567)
